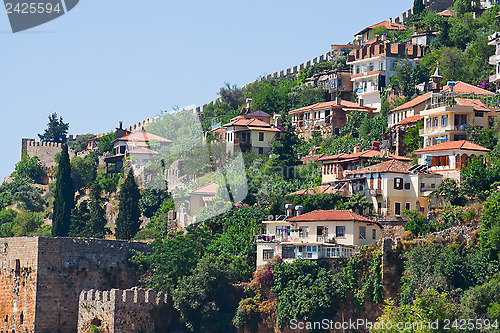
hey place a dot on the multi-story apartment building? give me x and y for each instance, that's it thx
(366, 35)
(374, 64)
(495, 59)
(327, 118)
(334, 167)
(319, 234)
(448, 158)
(394, 186)
(337, 82)
(449, 118)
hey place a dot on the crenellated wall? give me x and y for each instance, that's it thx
(438, 5)
(119, 311)
(46, 151)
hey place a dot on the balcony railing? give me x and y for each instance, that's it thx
(439, 129)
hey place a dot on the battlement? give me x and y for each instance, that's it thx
(129, 296)
(141, 126)
(33, 143)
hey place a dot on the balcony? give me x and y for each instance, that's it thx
(441, 129)
(376, 192)
(495, 78)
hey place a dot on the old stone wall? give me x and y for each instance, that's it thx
(119, 311)
(46, 151)
(18, 279)
(67, 266)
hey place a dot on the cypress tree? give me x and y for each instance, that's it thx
(96, 226)
(418, 7)
(64, 196)
(127, 222)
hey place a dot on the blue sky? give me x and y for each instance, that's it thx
(107, 61)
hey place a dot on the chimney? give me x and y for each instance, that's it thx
(121, 125)
(390, 21)
(249, 103)
(299, 210)
(375, 145)
(357, 149)
(289, 210)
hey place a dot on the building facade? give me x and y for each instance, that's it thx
(327, 234)
(374, 64)
(327, 118)
(248, 133)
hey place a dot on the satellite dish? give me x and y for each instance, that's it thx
(270, 218)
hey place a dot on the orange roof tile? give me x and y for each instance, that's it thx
(465, 88)
(322, 189)
(330, 215)
(409, 120)
(332, 104)
(452, 145)
(388, 166)
(142, 137)
(414, 102)
(363, 154)
(209, 189)
(446, 13)
(477, 104)
(389, 25)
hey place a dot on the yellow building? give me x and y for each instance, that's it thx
(319, 234)
(443, 123)
(393, 187)
(448, 158)
(248, 133)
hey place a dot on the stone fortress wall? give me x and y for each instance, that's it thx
(119, 311)
(41, 279)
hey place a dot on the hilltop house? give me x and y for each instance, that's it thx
(335, 166)
(336, 81)
(135, 145)
(327, 117)
(448, 120)
(448, 158)
(494, 40)
(319, 234)
(366, 35)
(248, 132)
(373, 66)
(394, 186)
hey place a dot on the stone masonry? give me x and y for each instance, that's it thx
(41, 279)
(46, 151)
(119, 311)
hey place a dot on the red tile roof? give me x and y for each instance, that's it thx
(477, 104)
(141, 151)
(209, 189)
(330, 215)
(446, 13)
(409, 120)
(363, 154)
(465, 88)
(251, 123)
(389, 25)
(414, 102)
(143, 137)
(452, 145)
(322, 189)
(259, 113)
(388, 166)
(332, 104)
(311, 158)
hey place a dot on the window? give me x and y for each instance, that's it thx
(407, 186)
(268, 254)
(444, 120)
(322, 231)
(422, 185)
(379, 206)
(435, 122)
(288, 252)
(408, 206)
(261, 136)
(460, 119)
(397, 208)
(340, 231)
(261, 151)
(398, 183)
(460, 137)
(428, 123)
(374, 234)
(478, 114)
(282, 230)
(433, 186)
(304, 232)
(362, 232)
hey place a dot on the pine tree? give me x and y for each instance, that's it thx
(80, 216)
(64, 196)
(96, 226)
(287, 146)
(127, 222)
(56, 130)
(418, 7)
